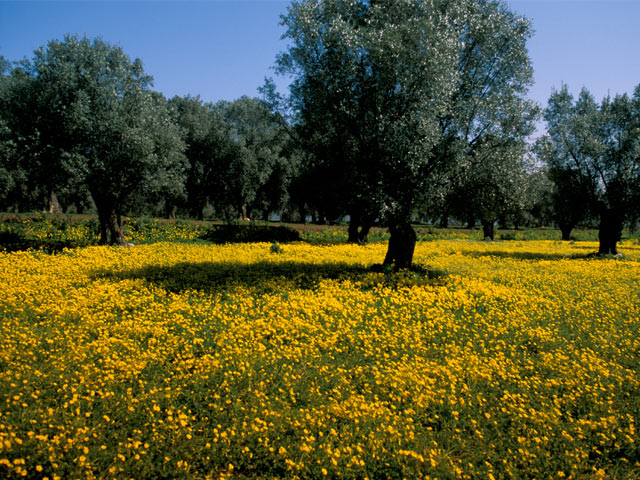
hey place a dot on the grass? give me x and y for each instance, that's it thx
(53, 233)
(506, 359)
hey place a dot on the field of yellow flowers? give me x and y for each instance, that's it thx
(174, 360)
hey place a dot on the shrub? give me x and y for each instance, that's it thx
(250, 234)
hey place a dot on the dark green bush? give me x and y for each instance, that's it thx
(251, 233)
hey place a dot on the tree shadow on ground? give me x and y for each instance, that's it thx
(527, 255)
(270, 277)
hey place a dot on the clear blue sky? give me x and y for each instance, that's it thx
(224, 49)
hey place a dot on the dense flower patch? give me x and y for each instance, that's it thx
(176, 360)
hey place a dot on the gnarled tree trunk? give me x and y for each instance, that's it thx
(170, 211)
(402, 243)
(566, 229)
(54, 205)
(110, 222)
(358, 230)
(487, 229)
(610, 231)
(354, 225)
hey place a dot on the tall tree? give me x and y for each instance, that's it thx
(20, 188)
(490, 188)
(208, 149)
(100, 124)
(379, 74)
(8, 148)
(259, 162)
(484, 132)
(377, 81)
(597, 148)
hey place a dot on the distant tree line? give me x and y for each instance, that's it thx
(398, 112)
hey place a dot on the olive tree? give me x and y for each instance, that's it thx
(98, 124)
(484, 132)
(259, 165)
(490, 188)
(381, 74)
(596, 148)
(208, 150)
(402, 92)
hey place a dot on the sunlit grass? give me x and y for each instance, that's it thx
(176, 360)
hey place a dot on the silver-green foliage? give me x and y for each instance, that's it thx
(412, 89)
(597, 145)
(101, 124)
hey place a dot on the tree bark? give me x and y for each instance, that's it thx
(444, 221)
(110, 224)
(610, 231)
(471, 223)
(358, 230)
(566, 231)
(359, 226)
(354, 224)
(363, 234)
(170, 211)
(54, 205)
(487, 229)
(402, 243)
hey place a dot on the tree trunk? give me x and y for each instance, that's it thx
(471, 223)
(487, 229)
(110, 224)
(197, 211)
(358, 229)
(364, 232)
(354, 224)
(402, 244)
(54, 205)
(566, 231)
(610, 231)
(170, 211)
(103, 218)
(444, 221)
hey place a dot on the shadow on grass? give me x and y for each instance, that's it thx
(14, 242)
(269, 277)
(527, 255)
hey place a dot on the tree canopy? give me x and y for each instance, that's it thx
(397, 111)
(401, 92)
(595, 149)
(96, 122)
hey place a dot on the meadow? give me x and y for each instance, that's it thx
(186, 359)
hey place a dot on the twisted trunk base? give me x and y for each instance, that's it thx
(402, 244)
(487, 229)
(110, 226)
(358, 230)
(610, 232)
(566, 231)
